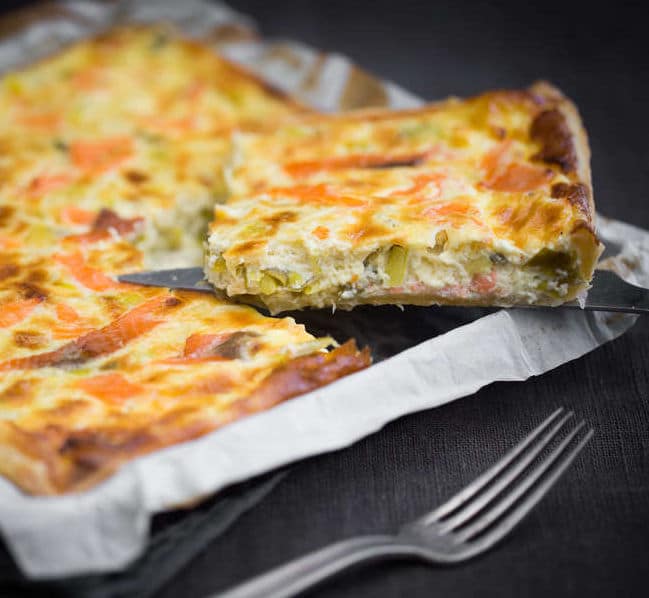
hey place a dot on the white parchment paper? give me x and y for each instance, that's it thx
(106, 528)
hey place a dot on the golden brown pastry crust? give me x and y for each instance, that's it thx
(55, 458)
(574, 157)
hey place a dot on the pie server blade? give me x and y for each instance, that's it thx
(608, 293)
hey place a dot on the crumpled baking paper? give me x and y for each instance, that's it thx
(104, 529)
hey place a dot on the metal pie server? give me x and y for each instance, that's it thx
(608, 293)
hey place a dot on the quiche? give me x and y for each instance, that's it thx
(110, 155)
(136, 121)
(483, 201)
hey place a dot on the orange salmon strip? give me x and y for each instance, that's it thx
(9, 243)
(322, 232)
(483, 283)
(199, 349)
(68, 325)
(104, 224)
(15, 311)
(112, 388)
(520, 178)
(321, 194)
(103, 341)
(200, 345)
(423, 182)
(44, 120)
(503, 174)
(74, 215)
(48, 182)
(100, 155)
(307, 167)
(454, 212)
(90, 278)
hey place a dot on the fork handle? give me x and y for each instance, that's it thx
(304, 572)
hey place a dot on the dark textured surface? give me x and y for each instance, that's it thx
(590, 537)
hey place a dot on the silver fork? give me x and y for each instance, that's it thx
(466, 525)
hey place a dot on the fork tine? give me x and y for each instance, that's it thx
(476, 505)
(479, 483)
(556, 463)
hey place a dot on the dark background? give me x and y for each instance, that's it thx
(590, 536)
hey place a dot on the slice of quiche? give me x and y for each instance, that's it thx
(109, 154)
(94, 372)
(484, 201)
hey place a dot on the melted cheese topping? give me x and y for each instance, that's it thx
(133, 121)
(108, 154)
(453, 203)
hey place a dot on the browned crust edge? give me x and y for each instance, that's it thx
(55, 461)
(555, 98)
(583, 235)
